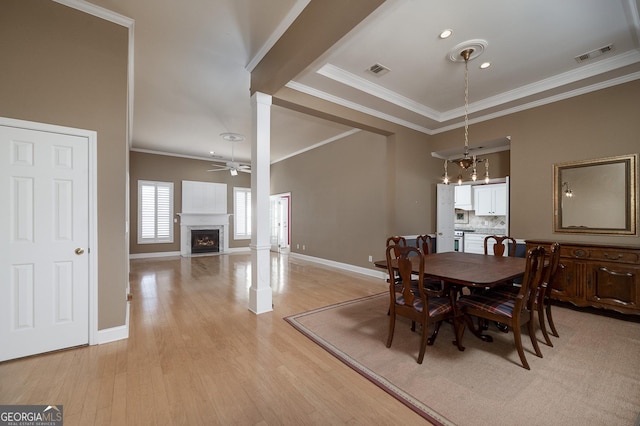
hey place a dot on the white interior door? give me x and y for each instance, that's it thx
(44, 262)
(444, 217)
(280, 222)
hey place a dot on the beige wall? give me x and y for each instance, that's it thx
(348, 196)
(165, 168)
(339, 198)
(598, 124)
(64, 67)
(403, 201)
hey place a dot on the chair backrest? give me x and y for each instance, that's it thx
(550, 269)
(531, 279)
(396, 240)
(425, 244)
(500, 245)
(402, 256)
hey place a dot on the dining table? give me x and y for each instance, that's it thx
(459, 269)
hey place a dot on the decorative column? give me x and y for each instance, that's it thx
(260, 296)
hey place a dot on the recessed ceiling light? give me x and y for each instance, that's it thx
(485, 65)
(445, 33)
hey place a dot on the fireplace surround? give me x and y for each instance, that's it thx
(203, 221)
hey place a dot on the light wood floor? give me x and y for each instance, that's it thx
(197, 356)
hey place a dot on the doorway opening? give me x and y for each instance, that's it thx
(280, 219)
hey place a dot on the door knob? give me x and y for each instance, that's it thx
(79, 251)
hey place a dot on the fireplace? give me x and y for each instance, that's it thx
(193, 222)
(205, 241)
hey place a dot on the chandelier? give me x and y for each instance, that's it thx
(467, 163)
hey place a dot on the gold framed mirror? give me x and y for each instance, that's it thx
(596, 196)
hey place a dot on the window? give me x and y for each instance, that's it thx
(242, 213)
(155, 212)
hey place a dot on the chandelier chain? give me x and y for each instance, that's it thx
(466, 106)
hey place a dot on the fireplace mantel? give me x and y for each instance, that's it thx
(189, 221)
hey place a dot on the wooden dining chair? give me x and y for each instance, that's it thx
(419, 305)
(396, 241)
(542, 303)
(513, 312)
(500, 245)
(425, 244)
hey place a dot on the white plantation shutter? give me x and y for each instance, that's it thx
(155, 212)
(242, 213)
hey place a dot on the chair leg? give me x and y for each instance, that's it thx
(431, 340)
(392, 326)
(423, 343)
(531, 325)
(550, 319)
(543, 326)
(458, 325)
(518, 341)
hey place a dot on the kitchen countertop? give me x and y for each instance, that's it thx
(488, 231)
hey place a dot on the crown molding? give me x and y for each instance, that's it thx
(98, 11)
(548, 100)
(354, 106)
(584, 72)
(317, 145)
(366, 86)
(295, 11)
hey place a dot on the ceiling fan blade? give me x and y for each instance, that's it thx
(218, 170)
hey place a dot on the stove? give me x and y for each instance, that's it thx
(458, 240)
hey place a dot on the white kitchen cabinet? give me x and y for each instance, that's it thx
(474, 243)
(463, 197)
(490, 200)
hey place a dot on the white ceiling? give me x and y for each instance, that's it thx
(193, 62)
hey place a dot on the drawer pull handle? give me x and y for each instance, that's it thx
(579, 253)
(619, 256)
(614, 273)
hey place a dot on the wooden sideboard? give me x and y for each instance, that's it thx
(602, 276)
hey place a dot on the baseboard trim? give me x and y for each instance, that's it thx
(177, 253)
(339, 265)
(113, 334)
(157, 254)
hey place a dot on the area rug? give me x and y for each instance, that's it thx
(590, 377)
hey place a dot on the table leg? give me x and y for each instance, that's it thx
(478, 331)
(458, 322)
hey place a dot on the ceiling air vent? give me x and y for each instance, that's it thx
(378, 69)
(595, 53)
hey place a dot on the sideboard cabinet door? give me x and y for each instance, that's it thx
(615, 285)
(564, 285)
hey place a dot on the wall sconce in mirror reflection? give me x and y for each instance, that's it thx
(596, 196)
(567, 191)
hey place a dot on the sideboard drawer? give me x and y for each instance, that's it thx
(614, 255)
(606, 254)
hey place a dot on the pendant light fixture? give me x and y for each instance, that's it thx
(467, 163)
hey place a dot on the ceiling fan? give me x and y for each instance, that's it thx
(233, 166)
